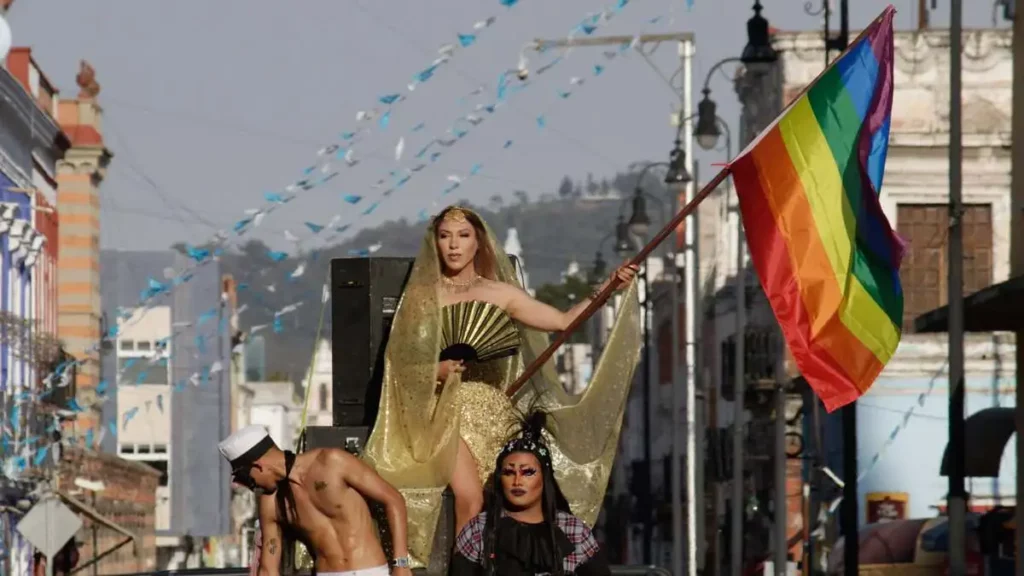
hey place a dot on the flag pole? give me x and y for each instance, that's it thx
(607, 291)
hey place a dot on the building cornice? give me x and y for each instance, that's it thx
(41, 122)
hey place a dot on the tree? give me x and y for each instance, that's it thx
(496, 203)
(564, 296)
(565, 188)
(591, 185)
(521, 197)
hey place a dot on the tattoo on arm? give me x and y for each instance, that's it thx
(272, 547)
(319, 485)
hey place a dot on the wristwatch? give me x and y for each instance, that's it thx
(401, 562)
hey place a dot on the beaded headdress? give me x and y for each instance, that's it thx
(530, 439)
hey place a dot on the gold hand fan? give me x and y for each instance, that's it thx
(477, 331)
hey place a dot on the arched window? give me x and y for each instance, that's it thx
(323, 398)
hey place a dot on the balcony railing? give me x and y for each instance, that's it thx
(762, 352)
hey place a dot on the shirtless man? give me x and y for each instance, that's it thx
(318, 498)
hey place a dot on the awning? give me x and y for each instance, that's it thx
(986, 433)
(993, 309)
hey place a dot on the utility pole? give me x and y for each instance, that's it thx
(956, 499)
(1017, 255)
(684, 557)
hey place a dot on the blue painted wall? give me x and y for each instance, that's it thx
(22, 200)
(911, 463)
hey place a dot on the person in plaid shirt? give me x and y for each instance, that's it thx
(527, 528)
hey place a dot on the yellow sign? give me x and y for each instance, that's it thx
(887, 506)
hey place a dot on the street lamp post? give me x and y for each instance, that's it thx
(758, 55)
(639, 225)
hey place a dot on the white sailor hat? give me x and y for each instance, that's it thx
(246, 445)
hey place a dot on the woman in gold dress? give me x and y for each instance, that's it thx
(462, 333)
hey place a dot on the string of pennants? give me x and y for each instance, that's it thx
(343, 151)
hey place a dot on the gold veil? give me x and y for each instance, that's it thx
(416, 435)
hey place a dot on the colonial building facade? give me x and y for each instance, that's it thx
(905, 412)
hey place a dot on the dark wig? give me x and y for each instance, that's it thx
(528, 439)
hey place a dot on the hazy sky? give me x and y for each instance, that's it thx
(209, 104)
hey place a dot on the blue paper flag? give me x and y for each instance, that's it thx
(475, 169)
(389, 98)
(508, 143)
(277, 256)
(351, 198)
(418, 127)
(425, 75)
(370, 210)
(197, 254)
(598, 69)
(385, 119)
(128, 416)
(278, 325)
(314, 228)
(274, 197)
(41, 454)
(206, 316)
(541, 122)
(466, 40)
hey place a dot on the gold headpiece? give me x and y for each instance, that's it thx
(455, 214)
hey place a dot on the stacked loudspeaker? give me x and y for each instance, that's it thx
(364, 297)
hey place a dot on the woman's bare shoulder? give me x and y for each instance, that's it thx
(499, 293)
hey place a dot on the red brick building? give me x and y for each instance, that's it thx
(124, 510)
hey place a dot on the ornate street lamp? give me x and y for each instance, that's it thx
(677, 173)
(707, 131)
(623, 243)
(639, 222)
(758, 53)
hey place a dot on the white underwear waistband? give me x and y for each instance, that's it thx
(378, 571)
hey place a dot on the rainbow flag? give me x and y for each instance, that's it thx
(826, 255)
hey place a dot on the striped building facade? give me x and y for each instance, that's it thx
(79, 175)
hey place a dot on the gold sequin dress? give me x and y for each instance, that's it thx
(416, 436)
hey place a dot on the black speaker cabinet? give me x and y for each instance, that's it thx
(364, 294)
(351, 438)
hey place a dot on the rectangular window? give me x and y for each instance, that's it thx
(924, 272)
(142, 371)
(128, 345)
(143, 346)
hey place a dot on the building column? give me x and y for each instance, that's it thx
(79, 176)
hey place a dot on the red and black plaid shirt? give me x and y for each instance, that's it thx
(470, 542)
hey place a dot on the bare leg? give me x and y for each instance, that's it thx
(469, 493)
